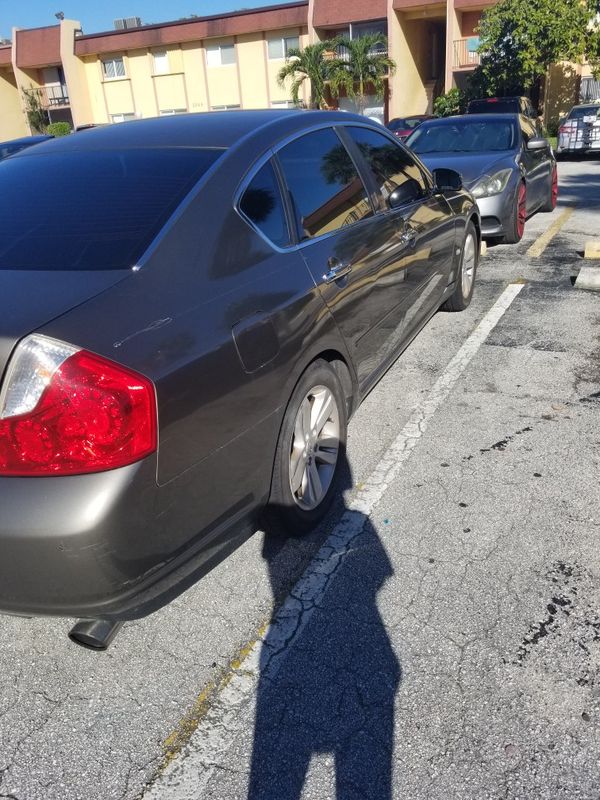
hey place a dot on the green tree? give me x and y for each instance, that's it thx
(521, 39)
(361, 64)
(307, 64)
(37, 117)
(58, 129)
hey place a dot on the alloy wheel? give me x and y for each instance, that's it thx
(315, 448)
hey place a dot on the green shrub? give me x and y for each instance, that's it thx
(453, 102)
(58, 129)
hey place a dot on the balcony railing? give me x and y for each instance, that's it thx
(465, 53)
(53, 96)
(343, 54)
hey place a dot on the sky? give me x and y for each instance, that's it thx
(98, 15)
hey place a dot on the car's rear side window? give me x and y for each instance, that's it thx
(91, 209)
(325, 188)
(262, 204)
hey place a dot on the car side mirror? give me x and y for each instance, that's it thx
(408, 192)
(538, 143)
(447, 180)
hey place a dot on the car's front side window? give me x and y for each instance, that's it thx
(391, 166)
(261, 203)
(326, 190)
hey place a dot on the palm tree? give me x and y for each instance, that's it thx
(360, 63)
(309, 63)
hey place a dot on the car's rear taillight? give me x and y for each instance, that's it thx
(65, 411)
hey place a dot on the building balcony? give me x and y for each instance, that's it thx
(53, 96)
(465, 53)
(343, 54)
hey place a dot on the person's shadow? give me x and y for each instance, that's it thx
(333, 694)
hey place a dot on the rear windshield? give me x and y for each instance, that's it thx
(584, 111)
(91, 210)
(405, 124)
(466, 136)
(493, 107)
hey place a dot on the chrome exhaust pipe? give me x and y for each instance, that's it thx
(95, 634)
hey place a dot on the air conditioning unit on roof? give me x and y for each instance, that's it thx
(127, 22)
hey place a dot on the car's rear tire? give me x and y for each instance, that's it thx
(516, 225)
(310, 452)
(552, 197)
(465, 282)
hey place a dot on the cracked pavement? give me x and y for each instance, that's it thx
(456, 651)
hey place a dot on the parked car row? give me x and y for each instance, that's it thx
(579, 131)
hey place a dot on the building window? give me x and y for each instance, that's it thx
(280, 47)
(218, 55)
(161, 63)
(113, 68)
(122, 117)
(166, 112)
(282, 104)
(225, 108)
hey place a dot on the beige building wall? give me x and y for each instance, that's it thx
(93, 78)
(13, 123)
(118, 92)
(409, 47)
(75, 74)
(251, 62)
(138, 67)
(194, 74)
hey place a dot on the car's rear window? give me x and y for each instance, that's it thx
(493, 106)
(91, 210)
(584, 111)
(464, 136)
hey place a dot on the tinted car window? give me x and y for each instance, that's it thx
(91, 210)
(390, 165)
(583, 111)
(494, 106)
(262, 204)
(324, 185)
(464, 136)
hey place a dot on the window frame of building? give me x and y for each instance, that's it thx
(285, 46)
(219, 48)
(226, 107)
(157, 68)
(169, 112)
(282, 104)
(127, 116)
(113, 60)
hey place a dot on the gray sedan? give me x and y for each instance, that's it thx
(510, 170)
(186, 330)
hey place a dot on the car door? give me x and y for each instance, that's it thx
(537, 165)
(348, 249)
(423, 218)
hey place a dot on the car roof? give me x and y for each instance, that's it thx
(208, 129)
(472, 118)
(27, 140)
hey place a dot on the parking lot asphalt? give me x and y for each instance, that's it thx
(455, 652)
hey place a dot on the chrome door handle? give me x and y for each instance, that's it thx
(336, 272)
(408, 236)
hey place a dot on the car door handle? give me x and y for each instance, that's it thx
(336, 270)
(408, 235)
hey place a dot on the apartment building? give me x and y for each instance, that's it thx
(232, 60)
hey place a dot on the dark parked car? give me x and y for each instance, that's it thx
(402, 127)
(508, 167)
(503, 105)
(16, 145)
(579, 131)
(186, 330)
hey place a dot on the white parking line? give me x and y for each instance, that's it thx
(187, 776)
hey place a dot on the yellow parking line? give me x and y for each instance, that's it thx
(542, 242)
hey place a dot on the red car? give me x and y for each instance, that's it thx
(402, 127)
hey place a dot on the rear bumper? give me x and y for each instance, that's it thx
(77, 545)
